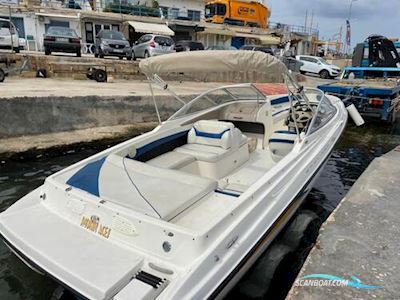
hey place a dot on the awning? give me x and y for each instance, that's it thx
(57, 16)
(218, 31)
(269, 39)
(246, 35)
(151, 28)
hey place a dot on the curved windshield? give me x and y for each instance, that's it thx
(220, 96)
(324, 113)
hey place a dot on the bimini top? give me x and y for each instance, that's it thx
(209, 64)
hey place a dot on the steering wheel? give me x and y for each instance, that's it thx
(302, 115)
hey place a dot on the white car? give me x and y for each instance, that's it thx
(317, 65)
(8, 33)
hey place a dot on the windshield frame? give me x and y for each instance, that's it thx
(312, 128)
(182, 112)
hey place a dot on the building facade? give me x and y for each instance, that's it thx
(184, 17)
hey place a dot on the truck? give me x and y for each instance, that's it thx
(376, 57)
(367, 83)
(375, 99)
(237, 12)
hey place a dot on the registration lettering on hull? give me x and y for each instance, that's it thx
(93, 224)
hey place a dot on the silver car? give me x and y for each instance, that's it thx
(112, 43)
(151, 45)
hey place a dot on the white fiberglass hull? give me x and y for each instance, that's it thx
(101, 249)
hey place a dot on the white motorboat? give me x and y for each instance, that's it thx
(182, 212)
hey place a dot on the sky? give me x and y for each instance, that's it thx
(368, 16)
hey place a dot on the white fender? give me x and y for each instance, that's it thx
(355, 115)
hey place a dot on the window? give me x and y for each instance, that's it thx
(309, 59)
(56, 23)
(112, 35)
(174, 12)
(89, 33)
(97, 28)
(163, 41)
(215, 9)
(115, 27)
(144, 39)
(61, 31)
(18, 23)
(194, 15)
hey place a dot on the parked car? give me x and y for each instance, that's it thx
(8, 33)
(264, 49)
(61, 39)
(188, 46)
(221, 47)
(318, 65)
(112, 43)
(151, 45)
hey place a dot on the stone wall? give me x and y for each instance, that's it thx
(39, 115)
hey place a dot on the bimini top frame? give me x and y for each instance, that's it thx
(205, 64)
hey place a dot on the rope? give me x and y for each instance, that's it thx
(362, 97)
(394, 101)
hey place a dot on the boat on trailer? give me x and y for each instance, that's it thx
(181, 212)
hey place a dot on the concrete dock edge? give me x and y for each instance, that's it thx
(360, 241)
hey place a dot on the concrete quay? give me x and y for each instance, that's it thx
(40, 114)
(48, 114)
(361, 238)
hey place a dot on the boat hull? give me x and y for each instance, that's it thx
(268, 237)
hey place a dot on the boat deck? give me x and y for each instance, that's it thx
(209, 211)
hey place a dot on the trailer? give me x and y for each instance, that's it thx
(369, 72)
(6, 66)
(377, 99)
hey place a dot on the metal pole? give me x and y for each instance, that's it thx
(154, 101)
(306, 21)
(11, 29)
(350, 8)
(348, 47)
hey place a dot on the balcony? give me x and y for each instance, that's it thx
(124, 7)
(294, 29)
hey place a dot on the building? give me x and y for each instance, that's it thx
(181, 19)
(237, 36)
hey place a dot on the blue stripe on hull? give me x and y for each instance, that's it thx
(87, 178)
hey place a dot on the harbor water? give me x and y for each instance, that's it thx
(356, 149)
